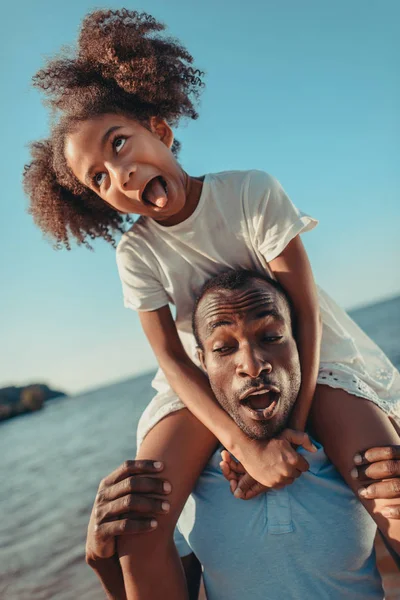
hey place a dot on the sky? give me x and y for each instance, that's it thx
(308, 91)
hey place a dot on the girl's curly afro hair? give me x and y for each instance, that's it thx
(122, 65)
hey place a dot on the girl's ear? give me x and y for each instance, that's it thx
(162, 130)
(200, 356)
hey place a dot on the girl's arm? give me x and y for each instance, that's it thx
(293, 271)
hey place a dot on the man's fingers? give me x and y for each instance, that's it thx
(132, 467)
(244, 484)
(227, 472)
(389, 488)
(385, 469)
(377, 454)
(254, 490)
(125, 526)
(391, 512)
(137, 484)
(237, 467)
(131, 503)
(225, 455)
(299, 438)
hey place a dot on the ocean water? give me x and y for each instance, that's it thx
(52, 463)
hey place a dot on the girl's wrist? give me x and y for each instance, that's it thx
(230, 436)
(235, 442)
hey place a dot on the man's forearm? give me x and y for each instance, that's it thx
(109, 572)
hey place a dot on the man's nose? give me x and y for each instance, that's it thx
(252, 362)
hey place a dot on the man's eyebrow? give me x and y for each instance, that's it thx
(211, 327)
(104, 140)
(262, 313)
(269, 312)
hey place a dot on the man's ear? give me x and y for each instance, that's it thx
(162, 130)
(200, 356)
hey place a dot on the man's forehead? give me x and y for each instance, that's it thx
(231, 305)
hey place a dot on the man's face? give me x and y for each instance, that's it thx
(250, 355)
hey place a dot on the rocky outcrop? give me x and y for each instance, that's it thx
(16, 401)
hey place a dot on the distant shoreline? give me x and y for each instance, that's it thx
(16, 401)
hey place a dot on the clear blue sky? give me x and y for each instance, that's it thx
(308, 91)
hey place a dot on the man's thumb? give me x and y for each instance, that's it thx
(299, 438)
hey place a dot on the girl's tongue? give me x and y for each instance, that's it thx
(155, 193)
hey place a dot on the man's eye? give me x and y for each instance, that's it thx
(222, 349)
(272, 338)
(99, 178)
(119, 143)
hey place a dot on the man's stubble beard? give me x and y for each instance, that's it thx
(264, 430)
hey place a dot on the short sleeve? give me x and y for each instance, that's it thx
(273, 217)
(181, 544)
(141, 288)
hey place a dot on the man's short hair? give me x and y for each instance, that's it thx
(235, 280)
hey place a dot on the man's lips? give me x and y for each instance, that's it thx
(260, 389)
(260, 403)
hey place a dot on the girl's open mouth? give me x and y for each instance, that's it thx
(156, 192)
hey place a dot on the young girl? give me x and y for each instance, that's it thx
(112, 154)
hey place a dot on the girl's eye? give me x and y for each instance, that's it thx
(99, 178)
(119, 143)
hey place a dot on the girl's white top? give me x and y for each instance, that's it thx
(244, 219)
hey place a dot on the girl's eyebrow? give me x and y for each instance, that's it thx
(104, 140)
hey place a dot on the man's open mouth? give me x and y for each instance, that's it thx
(155, 192)
(261, 403)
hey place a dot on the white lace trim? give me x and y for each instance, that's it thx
(354, 385)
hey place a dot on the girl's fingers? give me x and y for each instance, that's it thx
(125, 526)
(298, 438)
(301, 463)
(141, 505)
(132, 467)
(137, 484)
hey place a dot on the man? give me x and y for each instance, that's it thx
(311, 539)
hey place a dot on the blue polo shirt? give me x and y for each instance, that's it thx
(311, 540)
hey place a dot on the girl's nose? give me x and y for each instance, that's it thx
(122, 174)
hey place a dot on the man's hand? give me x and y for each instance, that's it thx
(125, 504)
(279, 465)
(235, 473)
(382, 467)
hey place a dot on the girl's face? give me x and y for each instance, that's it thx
(130, 167)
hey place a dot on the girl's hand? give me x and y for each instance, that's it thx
(125, 505)
(274, 463)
